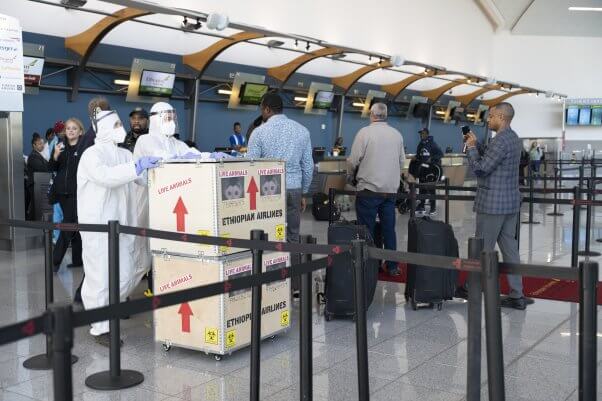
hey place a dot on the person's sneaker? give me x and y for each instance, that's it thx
(515, 303)
(105, 340)
(433, 213)
(74, 266)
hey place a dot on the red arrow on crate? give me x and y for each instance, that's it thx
(185, 312)
(252, 191)
(180, 212)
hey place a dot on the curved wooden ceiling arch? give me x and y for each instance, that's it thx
(466, 99)
(500, 99)
(434, 94)
(283, 72)
(345, 82)
(84, 43)
(201, 59)
(396, 88)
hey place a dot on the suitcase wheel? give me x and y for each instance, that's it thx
(414, 305)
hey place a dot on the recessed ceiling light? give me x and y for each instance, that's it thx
(585, 9)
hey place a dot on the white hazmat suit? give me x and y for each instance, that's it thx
(105, 191)
(159, 142)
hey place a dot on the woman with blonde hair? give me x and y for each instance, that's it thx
(64, 161)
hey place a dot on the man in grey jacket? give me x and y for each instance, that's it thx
(375, 162)
(497, 200)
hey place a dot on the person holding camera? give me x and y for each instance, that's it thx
(428, 156)
(497, 201)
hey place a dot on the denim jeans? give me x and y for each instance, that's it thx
(367, 208)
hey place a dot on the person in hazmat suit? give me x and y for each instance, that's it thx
(106, 178)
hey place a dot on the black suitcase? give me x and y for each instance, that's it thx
(320, 209)
(429, 285)
(338, 291)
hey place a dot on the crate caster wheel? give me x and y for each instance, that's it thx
(272, 337)
(217, 357)
(166, 347)
(414, 305)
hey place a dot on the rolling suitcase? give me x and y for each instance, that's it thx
(429, 285)
(338, 290)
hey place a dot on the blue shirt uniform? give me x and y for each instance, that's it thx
(285, 139)
(237, 140)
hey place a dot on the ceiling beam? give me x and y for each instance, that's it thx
(500, 99)
(200, 60)
(434, 94)
(85, 42)
(283, 72)
(396, 88)
(466, 99)
(345, 82)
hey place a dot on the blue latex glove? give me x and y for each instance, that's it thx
(146, 162)
(220, 155)
(190, 155)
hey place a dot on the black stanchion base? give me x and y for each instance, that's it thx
(588, 253)
(104, 381)
(530, 222)
(42, 362)
(555, 214)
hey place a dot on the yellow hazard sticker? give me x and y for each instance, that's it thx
(224, 248)
(284, 318)
(211, 335)
(230, 338)
(280, 233)
(202, 232)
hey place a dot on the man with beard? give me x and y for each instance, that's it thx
(138, 126)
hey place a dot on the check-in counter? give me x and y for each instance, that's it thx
(333, 169)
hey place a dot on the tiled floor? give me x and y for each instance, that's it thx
(413, 355)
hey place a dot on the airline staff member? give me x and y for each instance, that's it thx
(237, 140)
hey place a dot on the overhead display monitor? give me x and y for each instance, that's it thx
(585, 115)
(156, 83)
(596, 115)
(572, 115)
(32, 69)
(323, 99)
(251, 93)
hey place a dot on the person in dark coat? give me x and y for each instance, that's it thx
(64, 161)
(36, 163)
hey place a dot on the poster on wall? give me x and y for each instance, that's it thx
(32, 69)
(11, 56)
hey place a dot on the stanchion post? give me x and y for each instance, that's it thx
(588, 223)
(446, 200)
(359, 255)
(531, 197)
(412, 200)
(576, 222)
(115, 378)
(44, 361)
(257, 235)
(475, 300)
(305, 329)
(62, 344)
(555, 212)
(331, 194)
(493, 326)
(588, 321)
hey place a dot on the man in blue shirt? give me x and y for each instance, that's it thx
(236, 139)
(282, 138)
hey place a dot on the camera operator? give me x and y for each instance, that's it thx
(497, 201)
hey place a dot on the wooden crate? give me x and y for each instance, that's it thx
(220, 324)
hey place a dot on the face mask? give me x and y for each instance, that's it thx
(169, 128)
(118, 135)
(109, 128)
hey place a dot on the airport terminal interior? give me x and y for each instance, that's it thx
(165, 117)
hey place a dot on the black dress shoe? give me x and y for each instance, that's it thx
(515, 303)
(73, 265)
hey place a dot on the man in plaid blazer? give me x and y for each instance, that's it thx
(497, 202)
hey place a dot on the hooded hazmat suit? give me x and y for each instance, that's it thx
(105, 191)
(159, 142)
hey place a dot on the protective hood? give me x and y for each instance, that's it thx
(109, 128)
(163, 120)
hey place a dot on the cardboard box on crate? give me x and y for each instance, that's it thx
(226, 199)
(220, 324)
